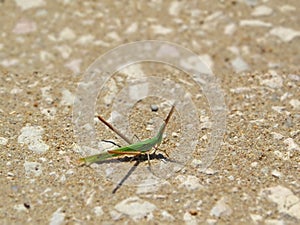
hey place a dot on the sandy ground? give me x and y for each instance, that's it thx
(253, 49)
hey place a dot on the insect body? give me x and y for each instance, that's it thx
(142, 147)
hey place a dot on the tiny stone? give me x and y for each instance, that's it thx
(98, 211)
(285, 34)
(66, 34)
(276, 173)
(256, 218)
(3, 141)
(294, 133)
(150, 127)
(262, 11)
(32, 168)
(28, 4)
(159, 29)
(154, 108)
(135, 208)
(295, 103)
(254, 164)
(196, 163)
(231, 177)
(221, 208)
(193, 212)
(189, 219)
(287, 202)
(10, 174)
(254, 23)
(32, 136)
(230, 29)
(277, 136)
(191, 183)
(174, 135)
(274, 222)
(291, 144)
(294, 77)
(211, 221)
(275, 81)
(239, 65)
(57, 217)
(209, 171)
(167, 216)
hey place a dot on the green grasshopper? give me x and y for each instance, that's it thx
(142, 147)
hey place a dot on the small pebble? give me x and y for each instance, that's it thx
(287, 202)
(135, 208)
(276, 173)
(221, 208)
(239, 65)
(154, 108)
(167, 216)
(291, 144)
(174, 135)
(189, 182)
(98, 211)
(3, 141)
(285, 34)
(57, 218)
(262, 11)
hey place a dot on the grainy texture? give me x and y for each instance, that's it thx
(253, 48)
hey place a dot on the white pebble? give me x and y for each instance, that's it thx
(285, 34)
(167, 216)
(256, 218)
(287, 202)
(66, 34)
(20, 208)
(132, 28)
(67, 98)
(57, 217)
(98, 211)
(24, 26)
(230, 29)
(32, 168)
(277, 136)
(189, 219)
(175, 8)
(46, 94)
(276, 173)
(294, 77)
(254, 23)
(239, 65)
(85, 39)
(24, 5)
(10, 174)
(279, 109)
(274, 222)
(275, 81)
(136, 208)
(262, 11)
(49, 112)
(3, 141)
(292, 145)
(189, 182)
(208, 171)
(74, 65)
(221, 208)
(32, 136)
(231, 177)
(295, 103)
(254, 164)
(159, 29)
(196, 163)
